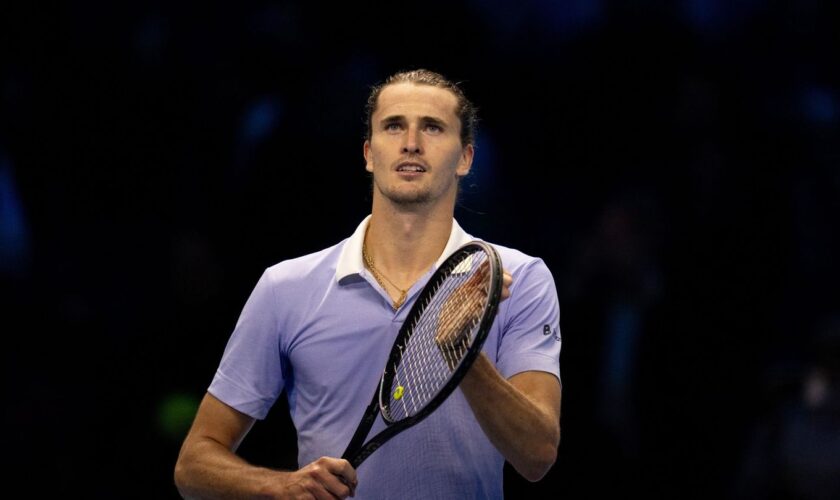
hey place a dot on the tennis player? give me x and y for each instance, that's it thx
(319, 328)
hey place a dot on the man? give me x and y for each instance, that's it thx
(320, 327)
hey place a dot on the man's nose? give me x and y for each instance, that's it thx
(411, 145)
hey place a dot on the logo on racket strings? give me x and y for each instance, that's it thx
(398, 392)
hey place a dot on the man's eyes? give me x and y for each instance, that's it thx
(430, 127)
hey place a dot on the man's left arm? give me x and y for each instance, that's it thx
(520, 415)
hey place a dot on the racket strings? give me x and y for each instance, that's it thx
(441, 336)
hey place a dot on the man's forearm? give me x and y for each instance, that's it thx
(520, 417)
(215, 472)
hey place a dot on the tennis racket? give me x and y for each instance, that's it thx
(438, 342)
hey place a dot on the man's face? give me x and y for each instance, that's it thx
(415, 151)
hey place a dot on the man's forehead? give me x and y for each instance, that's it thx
(408, 98)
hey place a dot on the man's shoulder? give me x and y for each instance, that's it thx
(514, 259)
(319, 264)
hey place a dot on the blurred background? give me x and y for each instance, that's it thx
(676, 164)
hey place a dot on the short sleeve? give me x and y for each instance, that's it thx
(530, 339)
(250, 375)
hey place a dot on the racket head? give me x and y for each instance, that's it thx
(442, 335)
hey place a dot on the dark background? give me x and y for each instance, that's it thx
(676, 164)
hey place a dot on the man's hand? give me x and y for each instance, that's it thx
(461, 312)
(326, 478)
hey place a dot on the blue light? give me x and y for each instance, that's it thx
(819, 105)
(14, 235)
(260, 120)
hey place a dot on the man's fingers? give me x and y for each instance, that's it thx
(347, 474)
(480, 276)
(507, 280)
(336, 476)
(336, 486)
(346, 471)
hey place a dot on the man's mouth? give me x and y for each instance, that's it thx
(410, 167)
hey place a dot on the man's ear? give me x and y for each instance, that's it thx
(465, 162)
(368, 157)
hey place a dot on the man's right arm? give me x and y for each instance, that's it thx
(208, 466)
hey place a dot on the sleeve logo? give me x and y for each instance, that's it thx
(548, 331)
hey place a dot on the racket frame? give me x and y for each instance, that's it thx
(356, 452)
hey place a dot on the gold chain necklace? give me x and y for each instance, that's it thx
(379, 277)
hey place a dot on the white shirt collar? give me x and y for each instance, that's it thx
(350, 261)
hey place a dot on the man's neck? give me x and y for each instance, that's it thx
(405, 244)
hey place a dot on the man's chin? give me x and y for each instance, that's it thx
(406, 198)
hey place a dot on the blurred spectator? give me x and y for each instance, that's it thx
(613, 282)
(794, 453)
(619, 258)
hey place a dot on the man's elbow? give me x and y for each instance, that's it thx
(180, 478)
(539, 462)
(183, 478)
(542, 457)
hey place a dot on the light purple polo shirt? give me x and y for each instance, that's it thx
(320, 327)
